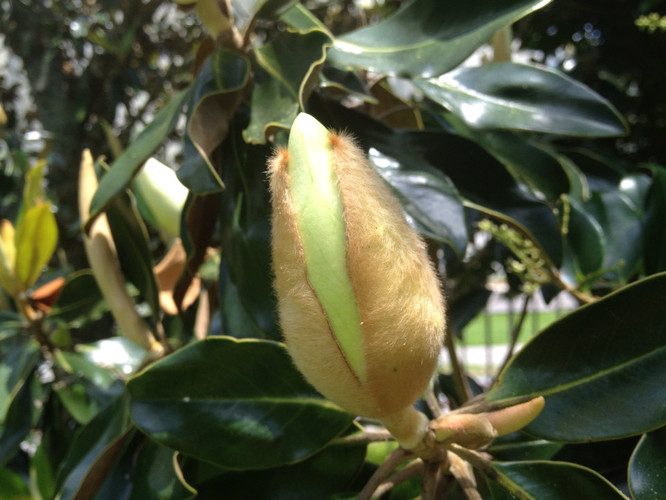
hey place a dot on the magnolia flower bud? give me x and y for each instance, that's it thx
(359, 301)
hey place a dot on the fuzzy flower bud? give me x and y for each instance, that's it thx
(359, 301)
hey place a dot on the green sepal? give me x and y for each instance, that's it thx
(321, 225)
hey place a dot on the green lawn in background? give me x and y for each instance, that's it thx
(499, 328)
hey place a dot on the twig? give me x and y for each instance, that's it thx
(429, 480)
(480, 461)
(515, 334)
(413, 469)
(431, 401)
(365, 437)
(464, 474)
(392, 461)
(582, 296)
(464, 391)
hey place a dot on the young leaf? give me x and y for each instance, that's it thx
(522, 97)
(36, 239)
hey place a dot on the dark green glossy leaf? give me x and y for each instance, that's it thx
(113, 472)
(106, 478)
(330, 471)
(290, 66)
(91, 443)
(217, 92)
(595, 366)
(487, 187)
(128, 163)
(427, 37)
(237, 404)
(80, 299)
(655, 222)
(131, 239)
(602, 173)
(19, 355)
(347, 82)
(585, 238)
(273, 108)
(647, 479)
(620, 222)
(237, 321)
(527, 162)
(518, 446)
(481, 180)
(553, 481)
(430, 200)
(518, 96)
(12, 486)
(608, 458)
(467, 306)
(17, 424)
(578, 186)
(246, 279)
(427, 196)
(155, 477)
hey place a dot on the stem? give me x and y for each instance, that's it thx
(392, 461)
(365, 437)
(582, 296)
(479, 461)
(429, 481)
(410, 470)
(408, 426)
(431, 401)
(515, 334)
(464, 474)
(462, 385)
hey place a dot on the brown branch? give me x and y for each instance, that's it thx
(413, 469)
(392, 461)
(429, 480)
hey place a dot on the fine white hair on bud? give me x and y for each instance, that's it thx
(359, 301)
